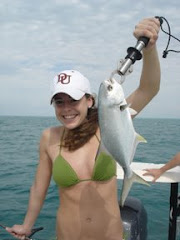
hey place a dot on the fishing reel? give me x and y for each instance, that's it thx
(125, 66)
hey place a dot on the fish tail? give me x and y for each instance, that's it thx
(127, 183)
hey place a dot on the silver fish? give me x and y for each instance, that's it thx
(117, 131)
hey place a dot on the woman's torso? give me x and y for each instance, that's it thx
(89, 209)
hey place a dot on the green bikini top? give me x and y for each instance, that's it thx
(65, 176)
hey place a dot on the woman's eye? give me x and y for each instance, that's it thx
(58, 102)
(73, 101)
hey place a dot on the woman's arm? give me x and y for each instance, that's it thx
(156, 173)
(150, 76)
(41, 184)
(37, 192)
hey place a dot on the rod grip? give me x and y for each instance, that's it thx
(145, 40)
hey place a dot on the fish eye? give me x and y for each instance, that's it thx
(109, 87)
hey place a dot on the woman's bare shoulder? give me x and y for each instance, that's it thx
(52, 133)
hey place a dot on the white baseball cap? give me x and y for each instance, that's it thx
(72, 83)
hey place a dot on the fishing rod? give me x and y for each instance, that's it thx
(33, 231)
(134, 53)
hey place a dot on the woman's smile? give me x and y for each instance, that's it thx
(72, 116)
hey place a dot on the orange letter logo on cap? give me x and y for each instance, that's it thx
(64, 78)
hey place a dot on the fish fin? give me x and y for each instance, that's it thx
(138, 139)
(127, 183)
(132, 111)
(140, 179)
(141, 138)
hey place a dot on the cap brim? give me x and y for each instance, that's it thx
(74, 93)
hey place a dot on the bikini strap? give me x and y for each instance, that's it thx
(97, 138)
(101, 146)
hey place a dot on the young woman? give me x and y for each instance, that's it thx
(157, 172)
(72, 154)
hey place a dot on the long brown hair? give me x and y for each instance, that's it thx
(76, 138)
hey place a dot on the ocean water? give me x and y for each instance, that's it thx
(19, 140)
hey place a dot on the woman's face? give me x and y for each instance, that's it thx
(71, 113)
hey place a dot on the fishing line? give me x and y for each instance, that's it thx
(166, 51)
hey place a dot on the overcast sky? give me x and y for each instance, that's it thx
(40, 38)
